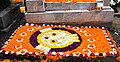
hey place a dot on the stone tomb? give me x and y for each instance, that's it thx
(8, 15)
(82, 12)
(4, 4)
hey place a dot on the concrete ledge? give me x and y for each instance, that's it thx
(106, 8)
(70, 6)
(71, 16)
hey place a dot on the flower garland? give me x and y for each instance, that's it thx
(59, 41)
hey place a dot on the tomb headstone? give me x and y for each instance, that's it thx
(95, 13)
(43, 5)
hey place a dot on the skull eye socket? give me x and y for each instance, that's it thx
(53, 41)
(46, 37)
(54, 34)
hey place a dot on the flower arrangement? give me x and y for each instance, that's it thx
(115, 4)
(57, 41)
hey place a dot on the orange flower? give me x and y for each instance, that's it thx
(6, 60)
(93, 41)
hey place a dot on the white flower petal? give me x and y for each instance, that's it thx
(30, 30)
(83, 31)
(89, 46)
(43, 30)
(20, 52)
(20, 40)
(23, 34)
(75, 28)
(16, 46)
(46, 49)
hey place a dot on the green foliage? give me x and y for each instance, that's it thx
(117, 3)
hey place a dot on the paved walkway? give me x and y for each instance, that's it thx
(115, 30)
(116, 22)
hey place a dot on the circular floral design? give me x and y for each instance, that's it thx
(76, 53)
(55, 39)
(19, 39)
(91, 40)
(83, 31)
(22, 52)
(30, 29)
(91, 46)
(23, 34)
(86, 50)
(76, 28)
(87, 34)
(18, 46)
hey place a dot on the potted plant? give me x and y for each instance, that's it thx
(115, 4)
